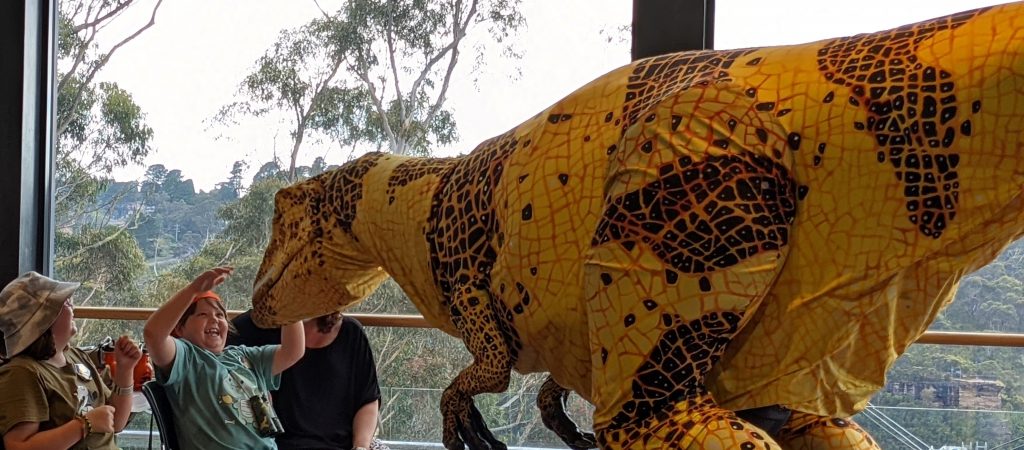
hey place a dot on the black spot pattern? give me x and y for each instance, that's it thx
(413, 169)
(673, 371)
(463, 230)
(653, 79)
(348, 189)
(700, 216)
(912, 113)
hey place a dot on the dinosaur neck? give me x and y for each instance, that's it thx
(391, 216)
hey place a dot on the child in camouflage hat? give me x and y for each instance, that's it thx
(51, 395)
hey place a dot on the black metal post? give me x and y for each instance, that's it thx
(27, 72)
(666, 26)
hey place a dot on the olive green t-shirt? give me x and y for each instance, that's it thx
(35, 391)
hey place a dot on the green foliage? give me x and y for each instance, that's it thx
(248, 220)
(232, 188)
(123, 136)
(99, 128)
(107, 257)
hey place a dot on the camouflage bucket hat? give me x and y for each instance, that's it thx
(28, 306)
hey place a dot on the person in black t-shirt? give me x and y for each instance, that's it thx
(337, 415)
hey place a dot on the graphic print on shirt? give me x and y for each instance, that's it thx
(86, 396)
(237, 390)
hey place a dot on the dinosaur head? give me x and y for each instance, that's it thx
(313, 264)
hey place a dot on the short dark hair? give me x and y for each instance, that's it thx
(42, 348)
(326, 322)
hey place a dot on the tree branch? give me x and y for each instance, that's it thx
(457, 35)
(302, 115)
(364, 75)
(101, 18)
(83, 50)
(403, 117)
(315, 2)
(106, 58)
(95, 67)
(81, 251)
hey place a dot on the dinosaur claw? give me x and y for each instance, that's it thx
(584, 441)
(474, 431)
(454, 444)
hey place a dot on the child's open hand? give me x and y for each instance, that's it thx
(211, 278)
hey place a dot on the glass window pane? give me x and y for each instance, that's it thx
(171, 149)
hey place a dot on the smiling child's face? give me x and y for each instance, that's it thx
(207, 327)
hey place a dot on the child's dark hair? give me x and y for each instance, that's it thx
(42, 348)
(192, 310)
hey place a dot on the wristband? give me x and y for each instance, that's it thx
(86, 425)
(118, 390)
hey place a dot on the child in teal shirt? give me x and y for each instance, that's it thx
(210, 385)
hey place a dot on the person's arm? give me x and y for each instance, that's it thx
(26, 435)
(364, 424)
(127, 355)
(364, 369)
(159, 326)
(293, 346)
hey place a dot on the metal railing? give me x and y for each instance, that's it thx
(892, 424)
(371, 320)
(414, 321)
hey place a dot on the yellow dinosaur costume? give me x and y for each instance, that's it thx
(692, 234)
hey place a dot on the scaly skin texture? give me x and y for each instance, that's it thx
(810, 432)
(691, 234)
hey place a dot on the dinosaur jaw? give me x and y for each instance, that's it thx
(267, 301)
(297, 287)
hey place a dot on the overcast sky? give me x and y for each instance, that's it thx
(183, 69)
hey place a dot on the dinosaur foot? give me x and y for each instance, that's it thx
(694, 424)
(551, 401)
(806, 431)
(582, 441)
(465, 426)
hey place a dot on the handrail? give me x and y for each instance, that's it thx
(371, 320)
(414, 321)
(966, 338)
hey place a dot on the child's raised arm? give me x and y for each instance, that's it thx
(293, 346)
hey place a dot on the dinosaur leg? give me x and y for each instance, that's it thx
(551, 402)
(806, 431)
(661, 318)
(694, 234)
(489, 372)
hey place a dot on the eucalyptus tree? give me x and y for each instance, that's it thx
(374, 73)
(99, 127)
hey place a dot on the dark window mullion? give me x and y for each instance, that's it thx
(27, 33)
(666, 26)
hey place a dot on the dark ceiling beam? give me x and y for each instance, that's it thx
(666, 26)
